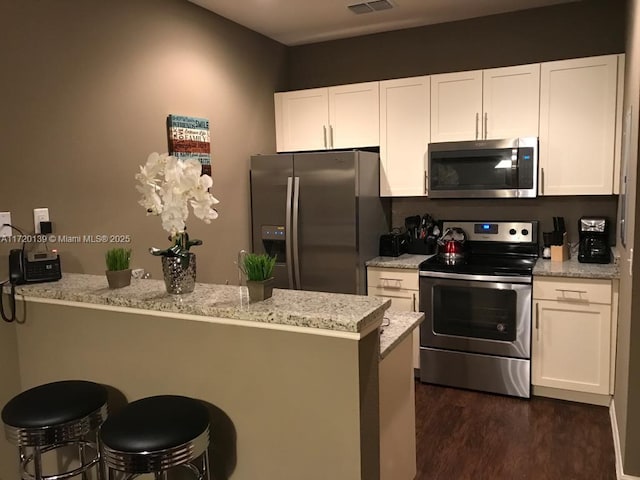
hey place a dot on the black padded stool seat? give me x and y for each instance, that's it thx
(52, 416)
(54, 404)
(155, 434)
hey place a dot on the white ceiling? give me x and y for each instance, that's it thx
(296, 22)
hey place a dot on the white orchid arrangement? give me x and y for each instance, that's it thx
(168, 186)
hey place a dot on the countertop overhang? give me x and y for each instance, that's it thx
(328, 313)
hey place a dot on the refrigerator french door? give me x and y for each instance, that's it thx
(321, 216)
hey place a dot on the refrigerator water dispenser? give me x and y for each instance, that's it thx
(274, 242)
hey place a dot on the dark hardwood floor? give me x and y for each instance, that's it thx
(479, 436)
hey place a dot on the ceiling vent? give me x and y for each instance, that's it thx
(368, 7)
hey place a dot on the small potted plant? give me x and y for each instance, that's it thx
(118, 271)
(259, 269)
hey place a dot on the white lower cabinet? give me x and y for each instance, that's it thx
(401, 287)
(572, 334)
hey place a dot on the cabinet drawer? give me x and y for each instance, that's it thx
(392, 278)
(573, 290)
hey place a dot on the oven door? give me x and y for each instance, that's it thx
(490, 317)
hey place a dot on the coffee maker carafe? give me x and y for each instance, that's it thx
(594, 240)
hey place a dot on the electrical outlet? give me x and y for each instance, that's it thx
(5, 217)
(40, 215)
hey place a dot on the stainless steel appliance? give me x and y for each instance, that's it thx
(484, 168)
(594, 240)
(320, 214)
(477, 332)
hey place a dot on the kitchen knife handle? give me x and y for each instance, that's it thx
(477, 123)
(542, 180)
(296, 249)
(324, 128)
(288, 234)
(486, 120)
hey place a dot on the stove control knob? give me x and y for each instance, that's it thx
(525, 232)
(512, 231)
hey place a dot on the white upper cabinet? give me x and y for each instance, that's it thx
(354, 115)
(345, 116)
(511, 102)
(404, 136)
(485, 104)
(456, 106)
(301, 120)
(577, 125)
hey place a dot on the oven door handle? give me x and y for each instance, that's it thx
(478, 278)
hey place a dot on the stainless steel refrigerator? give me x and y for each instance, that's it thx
(321, 215)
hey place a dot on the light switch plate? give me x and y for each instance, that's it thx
(5, 217)
(39, 215)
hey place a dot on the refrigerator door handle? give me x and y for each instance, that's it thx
(288, 233)
(296, 250)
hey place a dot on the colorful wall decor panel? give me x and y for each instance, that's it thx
(189, 137)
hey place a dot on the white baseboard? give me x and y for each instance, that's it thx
(616, 444)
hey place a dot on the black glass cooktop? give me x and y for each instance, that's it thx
(483, 264)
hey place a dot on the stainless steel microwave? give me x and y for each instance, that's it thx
(484, 169)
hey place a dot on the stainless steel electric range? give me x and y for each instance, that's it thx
(477, 332)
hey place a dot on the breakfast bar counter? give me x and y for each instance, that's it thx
(293, 383)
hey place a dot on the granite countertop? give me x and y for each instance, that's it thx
(400, 325)
(406, 260)
(573, 268)
(330, 311)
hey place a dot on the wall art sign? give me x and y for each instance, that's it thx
(189, 137)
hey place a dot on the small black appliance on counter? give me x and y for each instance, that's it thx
(393, 244)
(594, 240)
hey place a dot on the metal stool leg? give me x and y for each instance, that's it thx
(205, 466)
(37, 463)
(81, 458)
(161, 475)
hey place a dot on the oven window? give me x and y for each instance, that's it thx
(475, 312)
(474, 170)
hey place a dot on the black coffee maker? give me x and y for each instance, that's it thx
(594, 240)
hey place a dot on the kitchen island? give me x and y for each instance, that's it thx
(292, 382)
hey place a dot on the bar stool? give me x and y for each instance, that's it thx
(53, 416)
(156, 434)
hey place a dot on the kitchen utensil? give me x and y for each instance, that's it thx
(412, 224)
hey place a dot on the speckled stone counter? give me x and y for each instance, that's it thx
(396, 326)
(406, 260)
(573, 268)
(329, 311)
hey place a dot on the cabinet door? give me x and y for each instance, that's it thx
(404, 135)
(403, 301)
(511, 102)
(456, 106)
(302, 120)
(354, 115)
(571, 346)
(577, 126)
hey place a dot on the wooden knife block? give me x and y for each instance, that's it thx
(560, 253)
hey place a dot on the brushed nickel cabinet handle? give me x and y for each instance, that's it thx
(324, 128)
(538, 321)
(542, 179)
(331, 135)
(477, 122)
(426, 183)
(486, 126)
(414, 302)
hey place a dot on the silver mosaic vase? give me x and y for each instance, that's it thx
(179, 273)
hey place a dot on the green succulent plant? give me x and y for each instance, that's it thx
(257, 267)
(118, 259)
